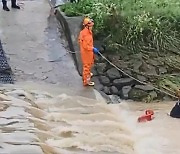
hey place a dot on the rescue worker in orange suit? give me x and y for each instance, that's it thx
(87, 51)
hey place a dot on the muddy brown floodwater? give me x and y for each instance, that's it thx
(44, 122)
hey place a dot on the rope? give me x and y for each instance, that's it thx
(144, 83)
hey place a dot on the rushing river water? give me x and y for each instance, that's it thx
(76, 125)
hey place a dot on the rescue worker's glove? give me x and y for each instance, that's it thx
(95, 50)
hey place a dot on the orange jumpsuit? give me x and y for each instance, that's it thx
(87, 55)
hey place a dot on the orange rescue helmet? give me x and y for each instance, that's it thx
(88, 22)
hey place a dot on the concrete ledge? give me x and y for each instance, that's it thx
(71, 27)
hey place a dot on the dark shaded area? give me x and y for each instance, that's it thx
(5, 70)
(175, 112)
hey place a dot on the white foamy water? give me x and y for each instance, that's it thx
(87, 125)
(77, 125)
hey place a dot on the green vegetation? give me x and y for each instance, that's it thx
(129, 27)
(133, 25)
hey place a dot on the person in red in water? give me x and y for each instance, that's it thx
(87, 50)
(148, 116)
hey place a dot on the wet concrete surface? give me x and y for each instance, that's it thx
(36, 51)
(32, 41)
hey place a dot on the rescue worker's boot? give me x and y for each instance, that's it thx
(5, 8)
(91, 83)
(14, 5)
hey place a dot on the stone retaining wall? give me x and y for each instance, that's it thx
(108, 80)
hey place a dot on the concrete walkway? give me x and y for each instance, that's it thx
(32, 41)
(39, 61)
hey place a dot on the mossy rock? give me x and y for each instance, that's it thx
(137, 94)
